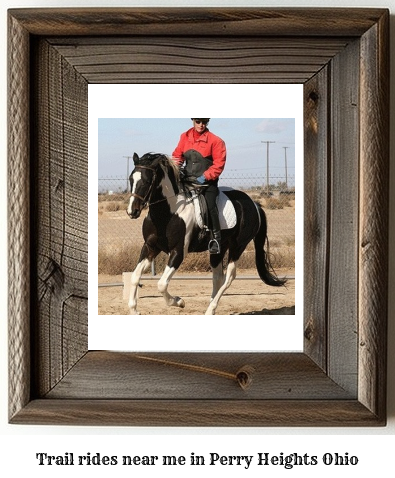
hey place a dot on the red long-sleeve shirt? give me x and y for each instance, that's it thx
(207, 144)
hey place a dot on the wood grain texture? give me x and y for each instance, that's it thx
(343, 223)
(373, 234)
(61, 231)
(204, 375)
(341, 56)
(18, 218)
(263, 22)
(185, 60)
(316, 213)
(202, 413)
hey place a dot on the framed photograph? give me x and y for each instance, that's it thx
(115, 240)
(341, 57)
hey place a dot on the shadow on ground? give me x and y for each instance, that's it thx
(281, 311)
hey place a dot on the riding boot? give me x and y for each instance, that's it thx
(214, 246)
(211, 195)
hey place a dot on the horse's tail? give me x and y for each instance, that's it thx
(262, 261)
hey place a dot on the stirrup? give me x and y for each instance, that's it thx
(214, 247)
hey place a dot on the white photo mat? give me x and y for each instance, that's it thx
(194, 332)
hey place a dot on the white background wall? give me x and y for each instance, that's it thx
(374, 447)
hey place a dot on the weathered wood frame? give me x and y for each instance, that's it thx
(342, 57)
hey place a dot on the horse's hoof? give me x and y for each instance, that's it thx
(133, 312)
(180, 302)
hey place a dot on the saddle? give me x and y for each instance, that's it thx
(226, 210)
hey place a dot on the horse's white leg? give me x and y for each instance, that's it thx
(176, 257)
(163, 285)
(134, 284)
(230, 276)
(218, 279)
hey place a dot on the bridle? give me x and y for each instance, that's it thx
(147, 199)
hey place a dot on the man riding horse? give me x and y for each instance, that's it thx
(204, 154)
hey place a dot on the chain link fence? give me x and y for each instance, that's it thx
(120, 238)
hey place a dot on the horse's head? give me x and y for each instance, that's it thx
(143, 182)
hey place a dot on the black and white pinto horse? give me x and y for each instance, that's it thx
(171, 227)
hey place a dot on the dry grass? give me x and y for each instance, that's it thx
(116, 259)
(275, 203)
(120, 239)
(111, 206)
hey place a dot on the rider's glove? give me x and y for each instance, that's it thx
(201, 179)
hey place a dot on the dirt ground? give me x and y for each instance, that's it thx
(246, 296)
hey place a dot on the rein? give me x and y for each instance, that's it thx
(147, 199)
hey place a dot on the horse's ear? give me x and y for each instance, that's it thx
(136, 158)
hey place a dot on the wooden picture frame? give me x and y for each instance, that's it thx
(342, 58)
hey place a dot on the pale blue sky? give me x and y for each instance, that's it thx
(246, 154)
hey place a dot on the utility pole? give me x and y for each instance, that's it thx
(267, 165)
(286, 167)
(127, 172)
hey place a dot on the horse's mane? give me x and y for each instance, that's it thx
(174, 166)
(163, 160)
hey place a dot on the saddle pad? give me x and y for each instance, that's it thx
(226, 211)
